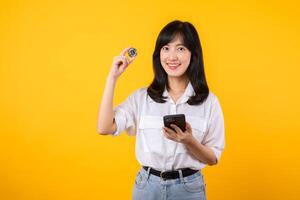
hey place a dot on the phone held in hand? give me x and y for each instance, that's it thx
(178, 120)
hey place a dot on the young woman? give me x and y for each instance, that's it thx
(171, 160)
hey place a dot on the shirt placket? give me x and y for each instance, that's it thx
(171, 144)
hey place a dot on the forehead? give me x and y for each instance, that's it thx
(176, 40)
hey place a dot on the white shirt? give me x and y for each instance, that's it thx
(141, 116)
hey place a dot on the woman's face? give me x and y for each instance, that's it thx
(175, 57)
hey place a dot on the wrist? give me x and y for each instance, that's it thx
(189, 141)
(110, 78)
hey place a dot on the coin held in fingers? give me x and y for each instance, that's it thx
(132, 52)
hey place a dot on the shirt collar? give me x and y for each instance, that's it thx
(189, 91)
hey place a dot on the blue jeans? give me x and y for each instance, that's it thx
(151, 187)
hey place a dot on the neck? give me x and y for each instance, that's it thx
(177, 85)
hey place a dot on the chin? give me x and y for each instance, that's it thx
(177, 75)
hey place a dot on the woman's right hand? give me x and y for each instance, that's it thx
(120, 63)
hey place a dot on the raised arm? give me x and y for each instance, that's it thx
(106, 124)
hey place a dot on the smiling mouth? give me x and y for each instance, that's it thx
(173, 66)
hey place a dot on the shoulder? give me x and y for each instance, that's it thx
(139, 93)
(212, 98)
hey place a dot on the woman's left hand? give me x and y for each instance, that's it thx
(179, 136)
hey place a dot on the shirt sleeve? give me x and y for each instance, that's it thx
(215, 137)
(125, 116)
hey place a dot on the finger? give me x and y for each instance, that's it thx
(123, 53)
(188, 127)
(177, 129)
(169, 130)
(124, 60)
(118, 58)
(169, 135)
(131, 59)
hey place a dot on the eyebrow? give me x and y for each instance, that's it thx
(177, 44)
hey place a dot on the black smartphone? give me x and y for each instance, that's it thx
(178, 120)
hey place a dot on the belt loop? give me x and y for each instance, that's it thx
(181, 176)
(148, 172)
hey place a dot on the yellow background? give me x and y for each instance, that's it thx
(55, 56)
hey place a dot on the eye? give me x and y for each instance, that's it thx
(165, 48)
(181, 49)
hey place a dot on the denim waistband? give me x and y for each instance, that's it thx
(169, 181)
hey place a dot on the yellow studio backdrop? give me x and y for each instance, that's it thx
(54, 59)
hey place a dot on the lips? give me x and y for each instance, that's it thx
(173, 66)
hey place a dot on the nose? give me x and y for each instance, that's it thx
(172, 55)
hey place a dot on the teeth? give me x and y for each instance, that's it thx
(172, 65)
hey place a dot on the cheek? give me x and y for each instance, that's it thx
(162, 58)
(187, 60)
(163, 62)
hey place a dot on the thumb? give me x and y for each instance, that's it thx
(188, 127)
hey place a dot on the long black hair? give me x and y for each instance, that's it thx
(195, 70)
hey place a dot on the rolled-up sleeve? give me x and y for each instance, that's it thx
(125, 116)
(215, 136)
